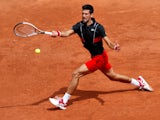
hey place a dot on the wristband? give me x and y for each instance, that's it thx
(59, 33)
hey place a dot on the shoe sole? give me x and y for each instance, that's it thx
(54, 102)
(148, 88)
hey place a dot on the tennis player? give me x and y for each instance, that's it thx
(91, 34)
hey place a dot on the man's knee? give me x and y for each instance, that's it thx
(81, 71)
(111, 75)
(76, 74)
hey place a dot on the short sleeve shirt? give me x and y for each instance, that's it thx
(91, 36)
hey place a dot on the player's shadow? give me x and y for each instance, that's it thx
(79, 95)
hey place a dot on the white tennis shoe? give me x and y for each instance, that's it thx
(58, 102)
(144, 85)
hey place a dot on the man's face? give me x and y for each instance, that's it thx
(86, 16)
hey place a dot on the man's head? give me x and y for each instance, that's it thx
(88, 7)
(87, 13)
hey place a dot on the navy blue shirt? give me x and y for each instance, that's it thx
(91, 36)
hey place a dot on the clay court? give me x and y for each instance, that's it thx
(27, 79)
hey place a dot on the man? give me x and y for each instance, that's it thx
(91, 34)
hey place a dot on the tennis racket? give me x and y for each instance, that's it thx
(26, 29)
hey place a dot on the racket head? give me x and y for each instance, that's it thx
(26, 29)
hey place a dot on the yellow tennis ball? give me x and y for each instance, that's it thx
(37, 50)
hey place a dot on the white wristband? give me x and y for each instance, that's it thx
(59, 33)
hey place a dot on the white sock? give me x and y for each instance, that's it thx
(134, 82)
(66, 97)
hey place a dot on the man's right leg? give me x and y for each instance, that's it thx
(61, 102)
(81, 71)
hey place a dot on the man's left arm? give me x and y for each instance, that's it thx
(113, 46)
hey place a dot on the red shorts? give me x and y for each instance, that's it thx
(99, 62)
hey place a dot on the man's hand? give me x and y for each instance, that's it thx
(117, 47)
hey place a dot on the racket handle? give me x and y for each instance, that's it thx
(48, 33)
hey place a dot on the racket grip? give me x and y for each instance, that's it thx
(48, 33)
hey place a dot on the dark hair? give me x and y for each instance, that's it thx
(88, 7)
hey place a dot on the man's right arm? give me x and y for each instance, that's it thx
(62, 33)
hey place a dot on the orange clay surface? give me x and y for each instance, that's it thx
(27, 79)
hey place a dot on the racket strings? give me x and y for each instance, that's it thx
(25, 30)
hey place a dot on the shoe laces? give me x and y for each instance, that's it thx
(141, 83)
(60, 100)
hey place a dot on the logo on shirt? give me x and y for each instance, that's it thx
(92, 29)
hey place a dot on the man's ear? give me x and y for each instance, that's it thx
(92, 15)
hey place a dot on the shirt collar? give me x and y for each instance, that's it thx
(93, 19)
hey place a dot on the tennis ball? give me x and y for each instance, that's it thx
(37, 50)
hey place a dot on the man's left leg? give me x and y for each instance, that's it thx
(116, 77)
(141, 83)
